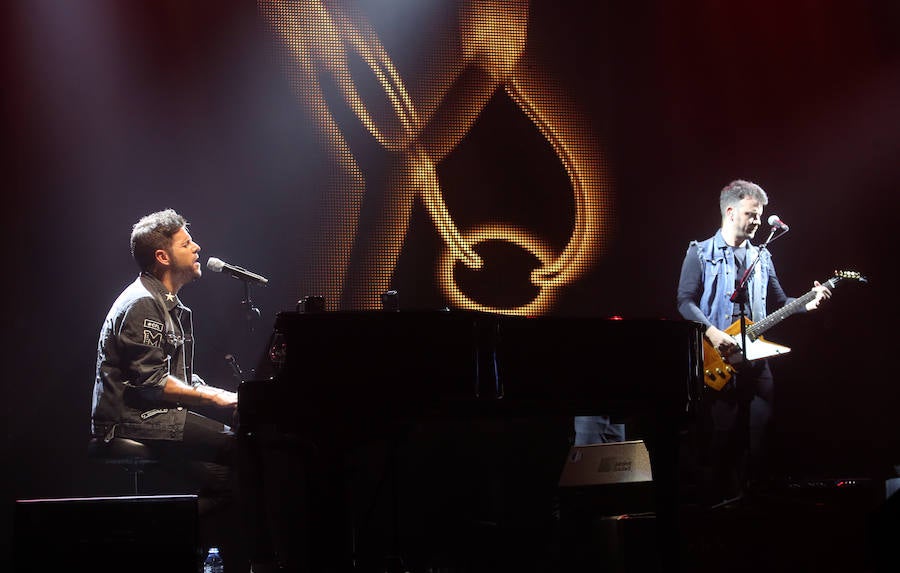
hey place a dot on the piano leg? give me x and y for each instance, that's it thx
(295, 497)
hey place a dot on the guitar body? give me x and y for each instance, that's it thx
(718, 369)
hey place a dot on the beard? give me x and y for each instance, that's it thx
(190, 273)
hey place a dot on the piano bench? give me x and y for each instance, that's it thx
(131, 455)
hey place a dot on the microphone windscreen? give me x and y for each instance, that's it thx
(215, 264)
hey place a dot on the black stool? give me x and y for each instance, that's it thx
(129, 454)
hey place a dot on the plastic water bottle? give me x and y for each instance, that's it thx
(213, 561)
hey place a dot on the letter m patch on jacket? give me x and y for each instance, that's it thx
(153, 331)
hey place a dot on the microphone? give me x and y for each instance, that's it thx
(218, 266)
(774, 221)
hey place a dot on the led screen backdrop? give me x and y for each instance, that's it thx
(534, 158)
(462, 123)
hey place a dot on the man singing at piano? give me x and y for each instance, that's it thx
(735, 419)
(145, 383)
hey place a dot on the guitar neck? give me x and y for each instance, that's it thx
(756, 329)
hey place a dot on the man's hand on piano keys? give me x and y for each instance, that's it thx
(218, 396)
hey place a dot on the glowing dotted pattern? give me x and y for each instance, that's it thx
(323, 43)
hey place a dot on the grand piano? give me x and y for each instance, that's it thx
(332, 382)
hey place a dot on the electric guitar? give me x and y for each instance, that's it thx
(718, 369)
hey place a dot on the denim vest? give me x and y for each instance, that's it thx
(719, 276)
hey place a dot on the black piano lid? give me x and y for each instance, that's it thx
(420, 362)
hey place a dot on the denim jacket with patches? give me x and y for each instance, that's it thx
(147, 336)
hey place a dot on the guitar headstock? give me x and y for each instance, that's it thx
(850, 275)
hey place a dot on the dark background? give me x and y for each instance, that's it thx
(113, 110)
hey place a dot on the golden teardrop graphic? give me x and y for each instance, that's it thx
(362, 108)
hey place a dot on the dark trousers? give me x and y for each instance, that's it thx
(206, 460)
(734, 432)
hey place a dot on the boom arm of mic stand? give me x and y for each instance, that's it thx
(740, 293)
(742, 284)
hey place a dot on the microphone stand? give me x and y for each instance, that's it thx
(740, 292)
(250, 311)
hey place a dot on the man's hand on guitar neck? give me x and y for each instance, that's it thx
(822, 292)
(721, 340)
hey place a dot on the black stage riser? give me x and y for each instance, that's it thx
(136, 534)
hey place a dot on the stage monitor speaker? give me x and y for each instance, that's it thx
(106, 534)
(607, 479)
(608, 463)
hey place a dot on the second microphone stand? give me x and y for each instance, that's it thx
(740, 292)
(250, 311)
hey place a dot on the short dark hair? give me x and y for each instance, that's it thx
(152, 232)
(739, 189)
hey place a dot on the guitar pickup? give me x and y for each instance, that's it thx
(717, 374)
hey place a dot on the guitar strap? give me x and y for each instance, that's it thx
(740, 260)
